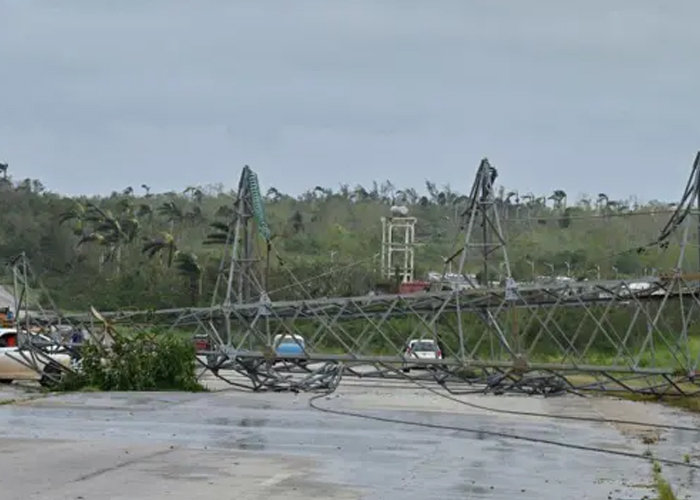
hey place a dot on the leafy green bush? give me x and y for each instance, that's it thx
(141, 362)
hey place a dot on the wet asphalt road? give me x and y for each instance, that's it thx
(237, 445)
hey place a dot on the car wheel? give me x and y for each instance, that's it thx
(51, 376)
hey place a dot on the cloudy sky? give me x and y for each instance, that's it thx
(97, 95)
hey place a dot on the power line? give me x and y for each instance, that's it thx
(545, 415)
(502, 435)
(606, 215)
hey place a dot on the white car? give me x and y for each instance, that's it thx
(421, 349)
(18, 365)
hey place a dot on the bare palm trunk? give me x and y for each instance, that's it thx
(195, 286)
(118, 261)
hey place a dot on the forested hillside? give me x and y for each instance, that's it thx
(137, 248)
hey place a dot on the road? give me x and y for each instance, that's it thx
(230, 444)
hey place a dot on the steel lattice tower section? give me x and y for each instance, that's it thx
(483, 260)
(244, 269)
(484, 249)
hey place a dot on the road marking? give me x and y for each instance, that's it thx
(277, 478)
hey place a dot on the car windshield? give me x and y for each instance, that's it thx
(291, 340)
(423, 346)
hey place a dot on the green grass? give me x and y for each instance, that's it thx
(663, 488)
(662, 357)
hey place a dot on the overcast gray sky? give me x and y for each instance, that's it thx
(96, 95)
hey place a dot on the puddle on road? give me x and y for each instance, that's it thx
(253, 422)
(247, 444)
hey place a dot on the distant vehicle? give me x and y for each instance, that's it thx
(421, 349)
(201, 342)
(12, 368)
(289, 344)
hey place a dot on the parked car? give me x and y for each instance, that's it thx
(11, 361)
(290, 344)
(421, 349)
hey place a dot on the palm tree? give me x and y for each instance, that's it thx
(77, 215)
(25, 185)
(37, 186)
(273, 195)
(559, 198)
(172, 213)
(4, 180)
(602, 201)
(320, 192)
(189, 267)
(194, 216)
(387, 191)
(432, 191)
(411, 196)
(109, 232)
(225, 211)
(165, 243)
(144, 210)
(99, 240)
(359, 194)
(222, 234)
(146, 188)
(297, 222)
(196, 193)
(400, 197)
(510, 196)
(509, 203)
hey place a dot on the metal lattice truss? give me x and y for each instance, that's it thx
(597, 335)
(45, 339)
(635, 335)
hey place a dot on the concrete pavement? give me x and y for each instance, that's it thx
(228, 444)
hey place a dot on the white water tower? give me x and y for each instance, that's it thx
(398, 242)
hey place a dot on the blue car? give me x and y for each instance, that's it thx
(285, 345)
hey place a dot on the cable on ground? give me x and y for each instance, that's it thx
(502, 435)
(545, 415)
